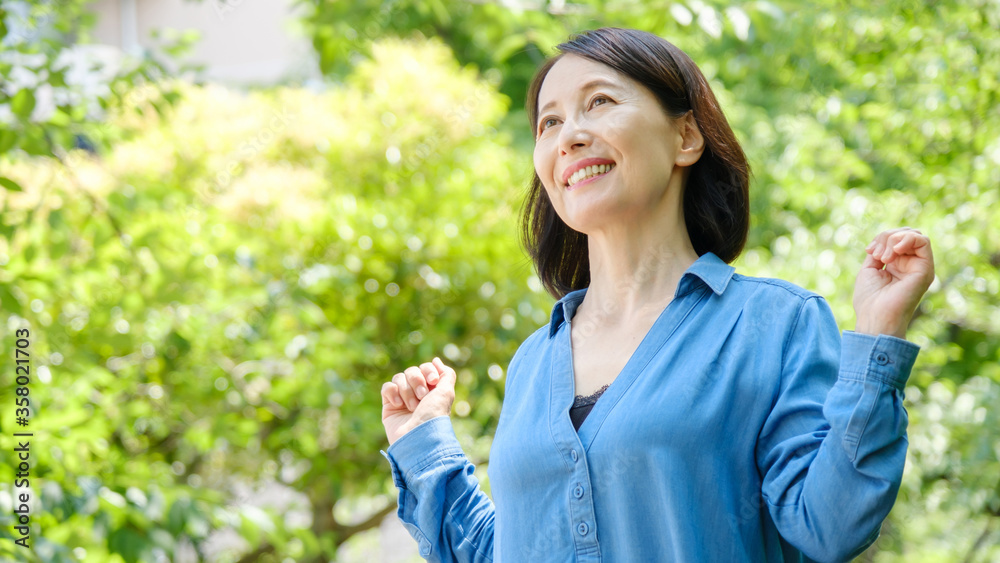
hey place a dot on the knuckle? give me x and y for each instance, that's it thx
(416, 379)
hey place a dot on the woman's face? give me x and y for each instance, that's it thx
(588, 110)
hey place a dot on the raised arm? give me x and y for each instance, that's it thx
(832, 451)
(440, 503)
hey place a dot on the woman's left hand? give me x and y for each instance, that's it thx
(885, 299)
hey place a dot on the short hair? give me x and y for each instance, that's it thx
(717, 193)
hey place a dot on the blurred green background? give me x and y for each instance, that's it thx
(217, 280)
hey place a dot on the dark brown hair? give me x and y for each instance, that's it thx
(717, 194)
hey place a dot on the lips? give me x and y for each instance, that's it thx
(582, 164)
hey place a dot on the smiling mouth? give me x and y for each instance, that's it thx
(585, 179)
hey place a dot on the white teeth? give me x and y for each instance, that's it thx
(587, 172)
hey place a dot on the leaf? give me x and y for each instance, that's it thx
(8, 302)
(177, 515)
(59, 118)
(34, 143)
(8, 138)
(128, 544)
(23, 103)
(10, 185)
(182, 344)
(172, 97)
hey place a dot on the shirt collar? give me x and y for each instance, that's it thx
(708, 269)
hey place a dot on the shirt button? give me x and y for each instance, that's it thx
(583, 528)
(578, 491)
(573, 455)
(881, 358)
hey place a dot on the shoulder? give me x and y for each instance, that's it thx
(778, 306)
(773, 286)
(530, 348)
(531, 345)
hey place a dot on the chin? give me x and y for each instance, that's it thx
(596, 214)
(589, 222)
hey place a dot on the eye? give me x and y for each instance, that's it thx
(546, 121)
(599, 97)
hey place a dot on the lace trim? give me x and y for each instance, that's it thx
(582, 401)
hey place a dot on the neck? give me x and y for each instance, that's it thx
(635, 268)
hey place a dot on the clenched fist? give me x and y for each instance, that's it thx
(897, 271)
(415, 396)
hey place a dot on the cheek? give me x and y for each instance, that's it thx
(544, 168)
(543, 164)
(620, 126)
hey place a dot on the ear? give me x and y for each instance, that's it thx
(692, 142)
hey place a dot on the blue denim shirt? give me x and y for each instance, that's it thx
(743, 428)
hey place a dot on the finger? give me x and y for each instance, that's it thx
(872, 262)
(415, 378)
(889, 253)
(909, 243)
(405, 391)
(879, 243)
(447, 373)
(446, 387)
(914, 244)
(902, 245)
(390, 395)
(430, 373)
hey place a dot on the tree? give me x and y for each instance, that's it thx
(185, 354)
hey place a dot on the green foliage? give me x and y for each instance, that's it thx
(216, 299)
(242, 276)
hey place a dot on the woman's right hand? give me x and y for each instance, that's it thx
(415, 396)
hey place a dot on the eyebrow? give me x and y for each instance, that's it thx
(588, 86)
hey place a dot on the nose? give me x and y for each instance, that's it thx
(573, 135)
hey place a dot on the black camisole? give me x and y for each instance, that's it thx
(582, 407)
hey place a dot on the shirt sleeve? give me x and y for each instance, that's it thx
(440, 502)
(832, 450)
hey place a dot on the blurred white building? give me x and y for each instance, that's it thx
(243, 42)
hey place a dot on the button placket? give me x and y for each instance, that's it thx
(567, 440)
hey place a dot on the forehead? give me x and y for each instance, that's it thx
(572, 73)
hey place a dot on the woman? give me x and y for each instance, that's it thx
(732, 421)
